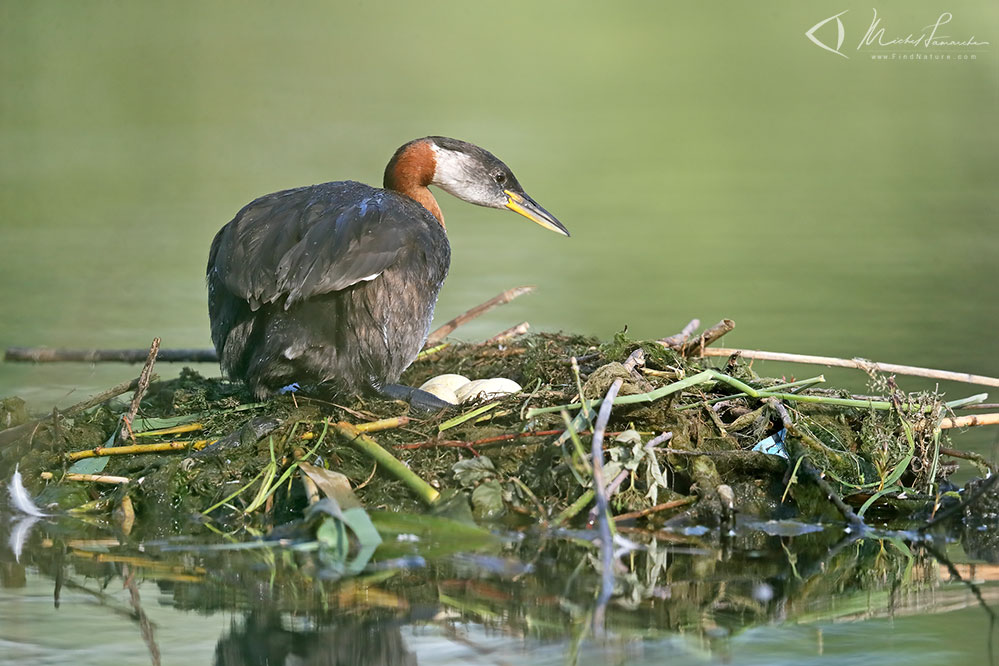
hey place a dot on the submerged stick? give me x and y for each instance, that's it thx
(479, 310)
(51, 355)
(665, 506)
(856, 363)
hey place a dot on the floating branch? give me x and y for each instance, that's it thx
(50, 355)
(857, 363)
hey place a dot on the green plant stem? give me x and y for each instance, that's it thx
(386, 460)
(801, 383)
(713, 375)
(573, 509)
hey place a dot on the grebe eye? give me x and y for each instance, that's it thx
(500, 178)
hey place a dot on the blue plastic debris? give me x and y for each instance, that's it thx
(773, 445)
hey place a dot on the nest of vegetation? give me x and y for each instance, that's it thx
(678, 446)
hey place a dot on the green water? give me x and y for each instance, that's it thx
(708, 159)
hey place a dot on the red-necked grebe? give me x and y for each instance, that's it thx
(334, 285)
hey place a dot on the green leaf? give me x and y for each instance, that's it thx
(473, 470)
(96, 465)
(429, 536)
(458, 420)
(334, 540)
(334, 485)
(141, 424)
(487, 500)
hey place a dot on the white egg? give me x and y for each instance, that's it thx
(444, 386)
(442, 392)
(448, 381)
(486, 388)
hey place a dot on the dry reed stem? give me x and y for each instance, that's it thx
(856, 363)
(94, 478)
(968, 421)
(159, 447)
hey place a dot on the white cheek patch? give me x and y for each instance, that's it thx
(460, 175)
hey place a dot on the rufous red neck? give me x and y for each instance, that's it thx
(410, 172)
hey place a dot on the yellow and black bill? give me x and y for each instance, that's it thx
(519, 202)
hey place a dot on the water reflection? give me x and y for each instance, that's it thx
(684, 595)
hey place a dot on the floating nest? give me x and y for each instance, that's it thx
(685, 444)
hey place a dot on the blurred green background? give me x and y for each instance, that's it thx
(709, 160)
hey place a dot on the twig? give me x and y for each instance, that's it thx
(681, 337)
(509, 334)
(968, 421)
(976, 458)
(845, 509)
(94, 478)
(603, 512)
(140, 391)
(479, 310)
(857, 363)
(809, 470)
(697, 345)
(387, 461)
(959, 508)
(50, 355)
(665, 506)
(599, 487)
(11, 434)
